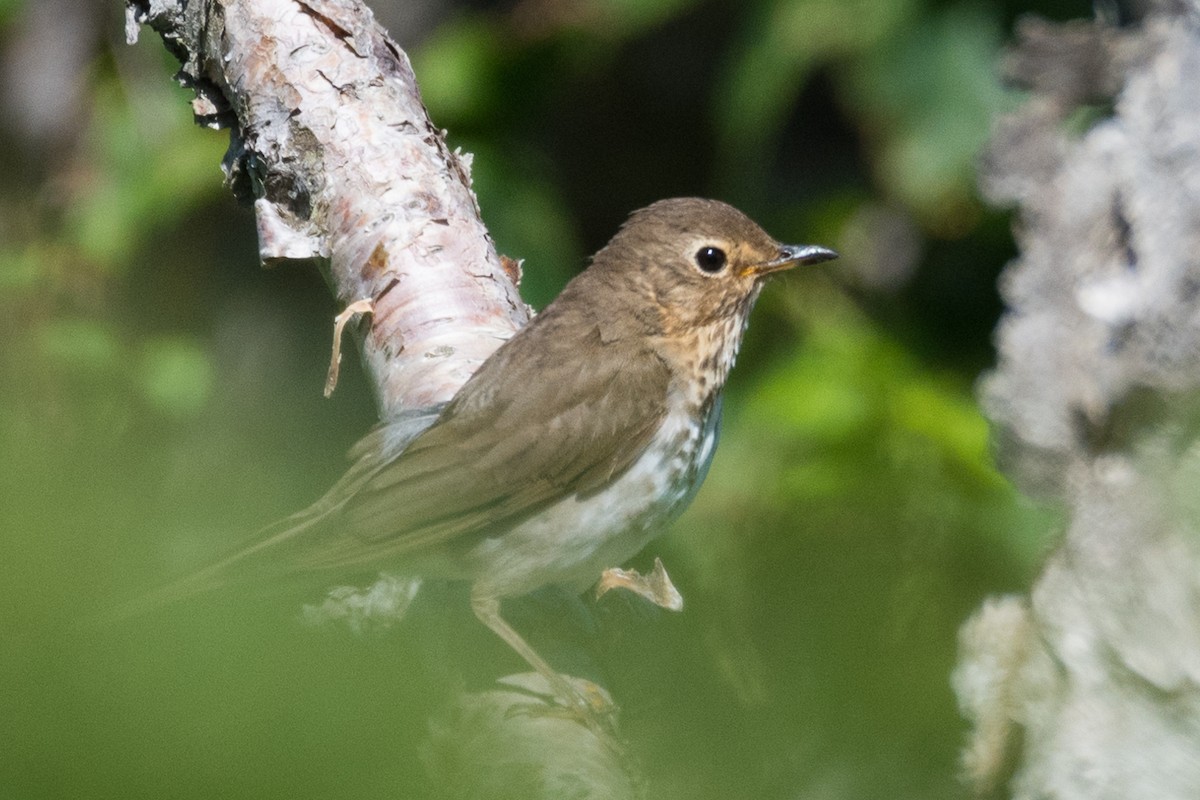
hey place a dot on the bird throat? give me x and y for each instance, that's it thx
(687, 440)
(703, 357)
(706, 353)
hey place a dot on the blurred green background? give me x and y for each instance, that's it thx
(160, 399)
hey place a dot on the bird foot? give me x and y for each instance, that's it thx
(655, 586)
(568, 698)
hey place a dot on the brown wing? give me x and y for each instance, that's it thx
(527, 430)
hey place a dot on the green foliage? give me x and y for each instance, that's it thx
(171, 375)
(175, 375)
(20, 269)
(457, 69)
(528, 221)
(79, 345)
(9, 10)
(141, 166)
(162, 399)
(147, 164)
(775, 53)
(926, 97)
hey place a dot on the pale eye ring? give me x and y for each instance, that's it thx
(710, 259)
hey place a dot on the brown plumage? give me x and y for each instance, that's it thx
(574, 443)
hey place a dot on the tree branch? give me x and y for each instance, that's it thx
(330, 139)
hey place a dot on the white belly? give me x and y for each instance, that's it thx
(576, 539)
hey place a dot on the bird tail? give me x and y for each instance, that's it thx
(235, 568)
(291, 534)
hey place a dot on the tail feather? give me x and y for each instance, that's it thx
(296, 533)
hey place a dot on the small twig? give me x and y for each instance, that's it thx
(364, 306)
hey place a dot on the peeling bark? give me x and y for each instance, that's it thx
(331, 142)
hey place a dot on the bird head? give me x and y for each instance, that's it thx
(694, 262)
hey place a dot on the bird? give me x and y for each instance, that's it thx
(572, 446)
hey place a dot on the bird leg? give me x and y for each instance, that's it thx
(591, 705)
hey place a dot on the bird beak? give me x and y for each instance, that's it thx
(791, 255)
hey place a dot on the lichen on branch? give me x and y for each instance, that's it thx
(1090, 687)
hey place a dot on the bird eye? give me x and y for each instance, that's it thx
(710, 259)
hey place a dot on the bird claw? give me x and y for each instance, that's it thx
(575, 699)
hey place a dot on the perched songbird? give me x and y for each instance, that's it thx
(574, 444)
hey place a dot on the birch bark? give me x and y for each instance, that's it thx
(330, 141)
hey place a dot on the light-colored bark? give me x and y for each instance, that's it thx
(331, 141)
(1089, 688)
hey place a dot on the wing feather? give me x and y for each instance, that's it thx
(513, 441)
